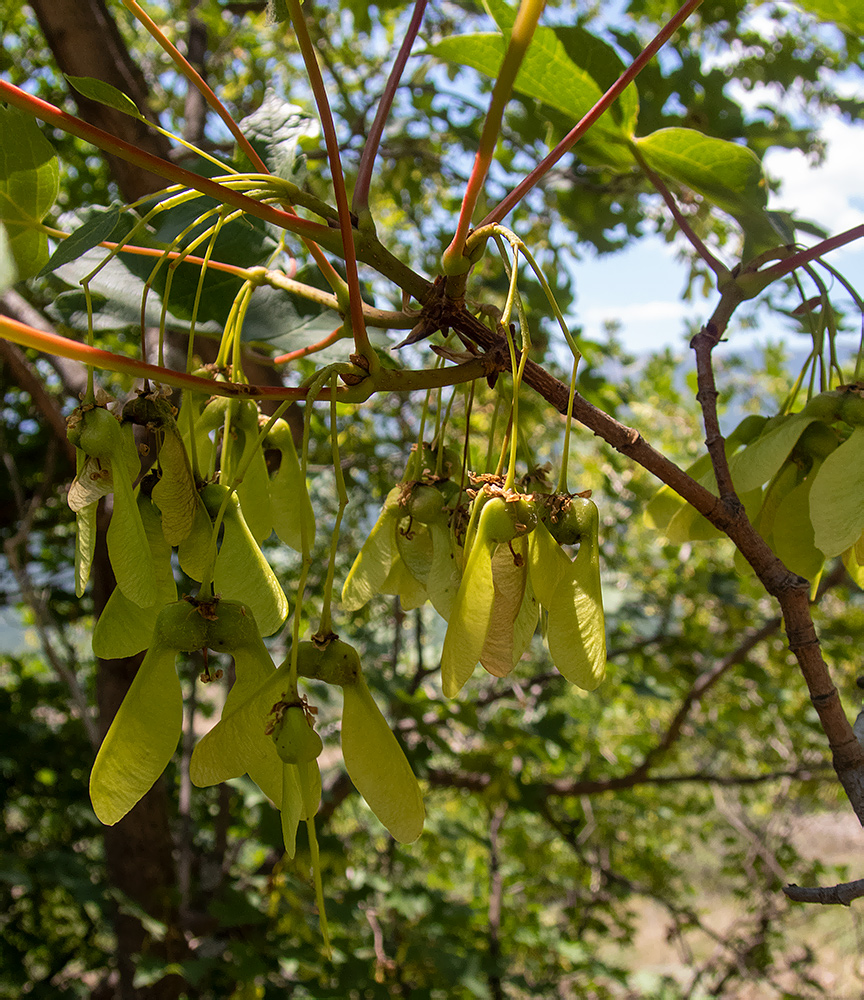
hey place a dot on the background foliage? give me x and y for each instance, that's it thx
(560, 825)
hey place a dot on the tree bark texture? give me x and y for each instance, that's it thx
(85, 41)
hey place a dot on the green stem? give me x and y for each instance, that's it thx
(326, 627)
(454, 260)
(51, 115)
(585, 123)
(194, 77)
(360, 198)
(305, 794)
(565, 458)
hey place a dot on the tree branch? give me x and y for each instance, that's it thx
(841, 894)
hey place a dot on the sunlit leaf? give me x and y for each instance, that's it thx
(372, 565)
(29, 182)
(125, 628)
(837, 497)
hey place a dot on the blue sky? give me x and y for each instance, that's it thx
(647, 302)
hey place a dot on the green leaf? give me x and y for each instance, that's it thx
(275, 130)
(445, 573)
(837, 497)
(239, 744)
(85, 545)
(104, 93)
(243, 450)
(575, 628)
(142, 738)
(101, 224)
(793, 535)
(597, 58)
(291, 508)
(848, 15)
(761, 460)
(549, 75)
(8, 270)
(378, 767)
(471, 614)
(242, 573)
(124, 628)
(548, 564)
(29, 182)
(727, 174)
(509, 578)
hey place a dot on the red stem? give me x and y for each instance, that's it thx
(346, 228)
(303, 352)
(788, 264)
(605, 102)
(360, 200)
(163, 168)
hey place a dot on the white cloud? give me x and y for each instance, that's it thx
(831, 194)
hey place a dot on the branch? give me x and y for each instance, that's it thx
(605, 102)
(475, 781)
(843, 893)
(790, 590)
(703, 683)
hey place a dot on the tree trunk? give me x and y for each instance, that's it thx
(85, 41)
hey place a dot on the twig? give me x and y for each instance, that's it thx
(843, 893)
(605, 102)
(360, 198)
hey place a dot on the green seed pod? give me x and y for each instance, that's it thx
(818, 441)
(852, 408)
(95, 431)
(296, 741)
(335, 663)
(826, 406)
(576, 517)
(498, 520)
(748, 430)
(233, 627)
(424, 503)
(180, 626)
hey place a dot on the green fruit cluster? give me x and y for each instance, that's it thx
(216, 523)
(801, 479)
(490, 562)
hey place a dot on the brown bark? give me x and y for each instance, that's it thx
(85, 41)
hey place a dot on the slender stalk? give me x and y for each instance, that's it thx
(360, 199)
(326, 627)
(195, 78)
(51, 115)
(696, 242)
(582, 126)
(812, 253)
(453, 260)
(316, 80)
(320, 345)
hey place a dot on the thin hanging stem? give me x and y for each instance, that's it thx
(346, 228)
(326, 627)
(565, 458)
